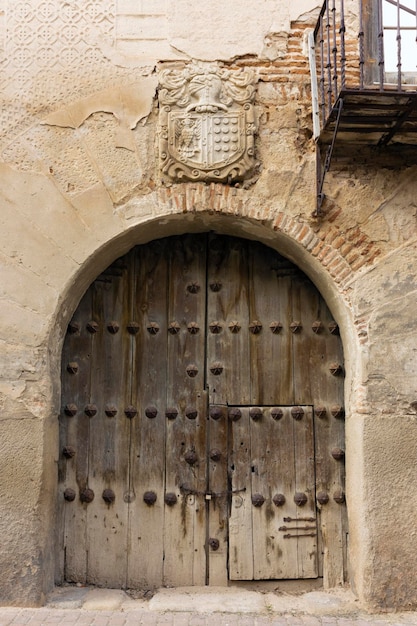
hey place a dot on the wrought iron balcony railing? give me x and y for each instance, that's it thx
(363, 59)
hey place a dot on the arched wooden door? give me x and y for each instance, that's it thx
(201, 432)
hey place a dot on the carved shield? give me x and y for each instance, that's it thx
(207, 141)
(207, 124)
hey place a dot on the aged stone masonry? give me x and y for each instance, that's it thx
(208, 337)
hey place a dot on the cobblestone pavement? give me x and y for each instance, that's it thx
(205, 606)
(134, 617)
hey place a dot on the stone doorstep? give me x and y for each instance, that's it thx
(208, 600)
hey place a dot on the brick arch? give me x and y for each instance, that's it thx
(320, 250)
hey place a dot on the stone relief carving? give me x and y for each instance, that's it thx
(206, 123)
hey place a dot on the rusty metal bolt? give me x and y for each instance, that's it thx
(191, 457)
(255, 413)
(68, 452)
(149, 497)
(170, 498)
(171, 413)
(320, 411)
(334, 328)
(278, 499)
(215, 327)
(257, 499)
(133, 328)
(110, 410)
(72, 368)
(216, 412)
(337, 411)
(151, 412)
(335, 369)
(296, 326)
(90, 410)
(153, 328)
(214, 543)
(235, 414)
(297, 412)
(192, 370)
(73, 327)
(108, 496)
(339, 496)
(215, 286)
(87, 495)
(322, 497)
(215, 454)
(338, 454)
(70, 410)
(276, 414)
(234, 326)
(113, 327)
(191, 413)
(174, 328)
(69, 494)
(317, 327)
(255, 327)
(193, 328)
(131, 411)
(216, 369)
(193, 287)
(300, 498)
(275, 327)
(92, 327)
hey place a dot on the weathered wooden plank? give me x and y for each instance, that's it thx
(303, 314)
(270, 348)
(147, 449)
(240, 521)
(107, 520)
(272, 475)
(185, 522)
(285, 489)
(218, 486)
(75, 434)
(306, 541)
(227, 304)
(322, 350)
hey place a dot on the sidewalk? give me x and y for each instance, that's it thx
(207, 606)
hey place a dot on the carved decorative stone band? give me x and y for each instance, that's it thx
(206, 123)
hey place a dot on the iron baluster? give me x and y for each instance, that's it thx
(329, 61)
(361, 47)
(398, 46)
(322, 94)
(334, 49)
(381, 60)
(342, 32)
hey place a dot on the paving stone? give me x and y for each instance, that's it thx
(207, 600)
(104, 599)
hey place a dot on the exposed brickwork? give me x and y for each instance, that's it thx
(342, 253)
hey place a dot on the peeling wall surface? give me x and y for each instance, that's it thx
(80, 184)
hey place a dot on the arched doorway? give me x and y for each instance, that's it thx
(202, 421)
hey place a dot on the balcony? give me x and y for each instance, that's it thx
(364, 84)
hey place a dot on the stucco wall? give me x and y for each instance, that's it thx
(79, 185)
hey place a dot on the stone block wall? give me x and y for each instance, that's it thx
(80, 185)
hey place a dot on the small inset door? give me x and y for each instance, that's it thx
(272, 509)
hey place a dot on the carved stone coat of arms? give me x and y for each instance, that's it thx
(206, 123)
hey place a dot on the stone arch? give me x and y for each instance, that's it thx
(291, 238)
(199, 209)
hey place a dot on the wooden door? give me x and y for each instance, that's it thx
(199, 412)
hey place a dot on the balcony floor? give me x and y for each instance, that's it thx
(375, 119)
